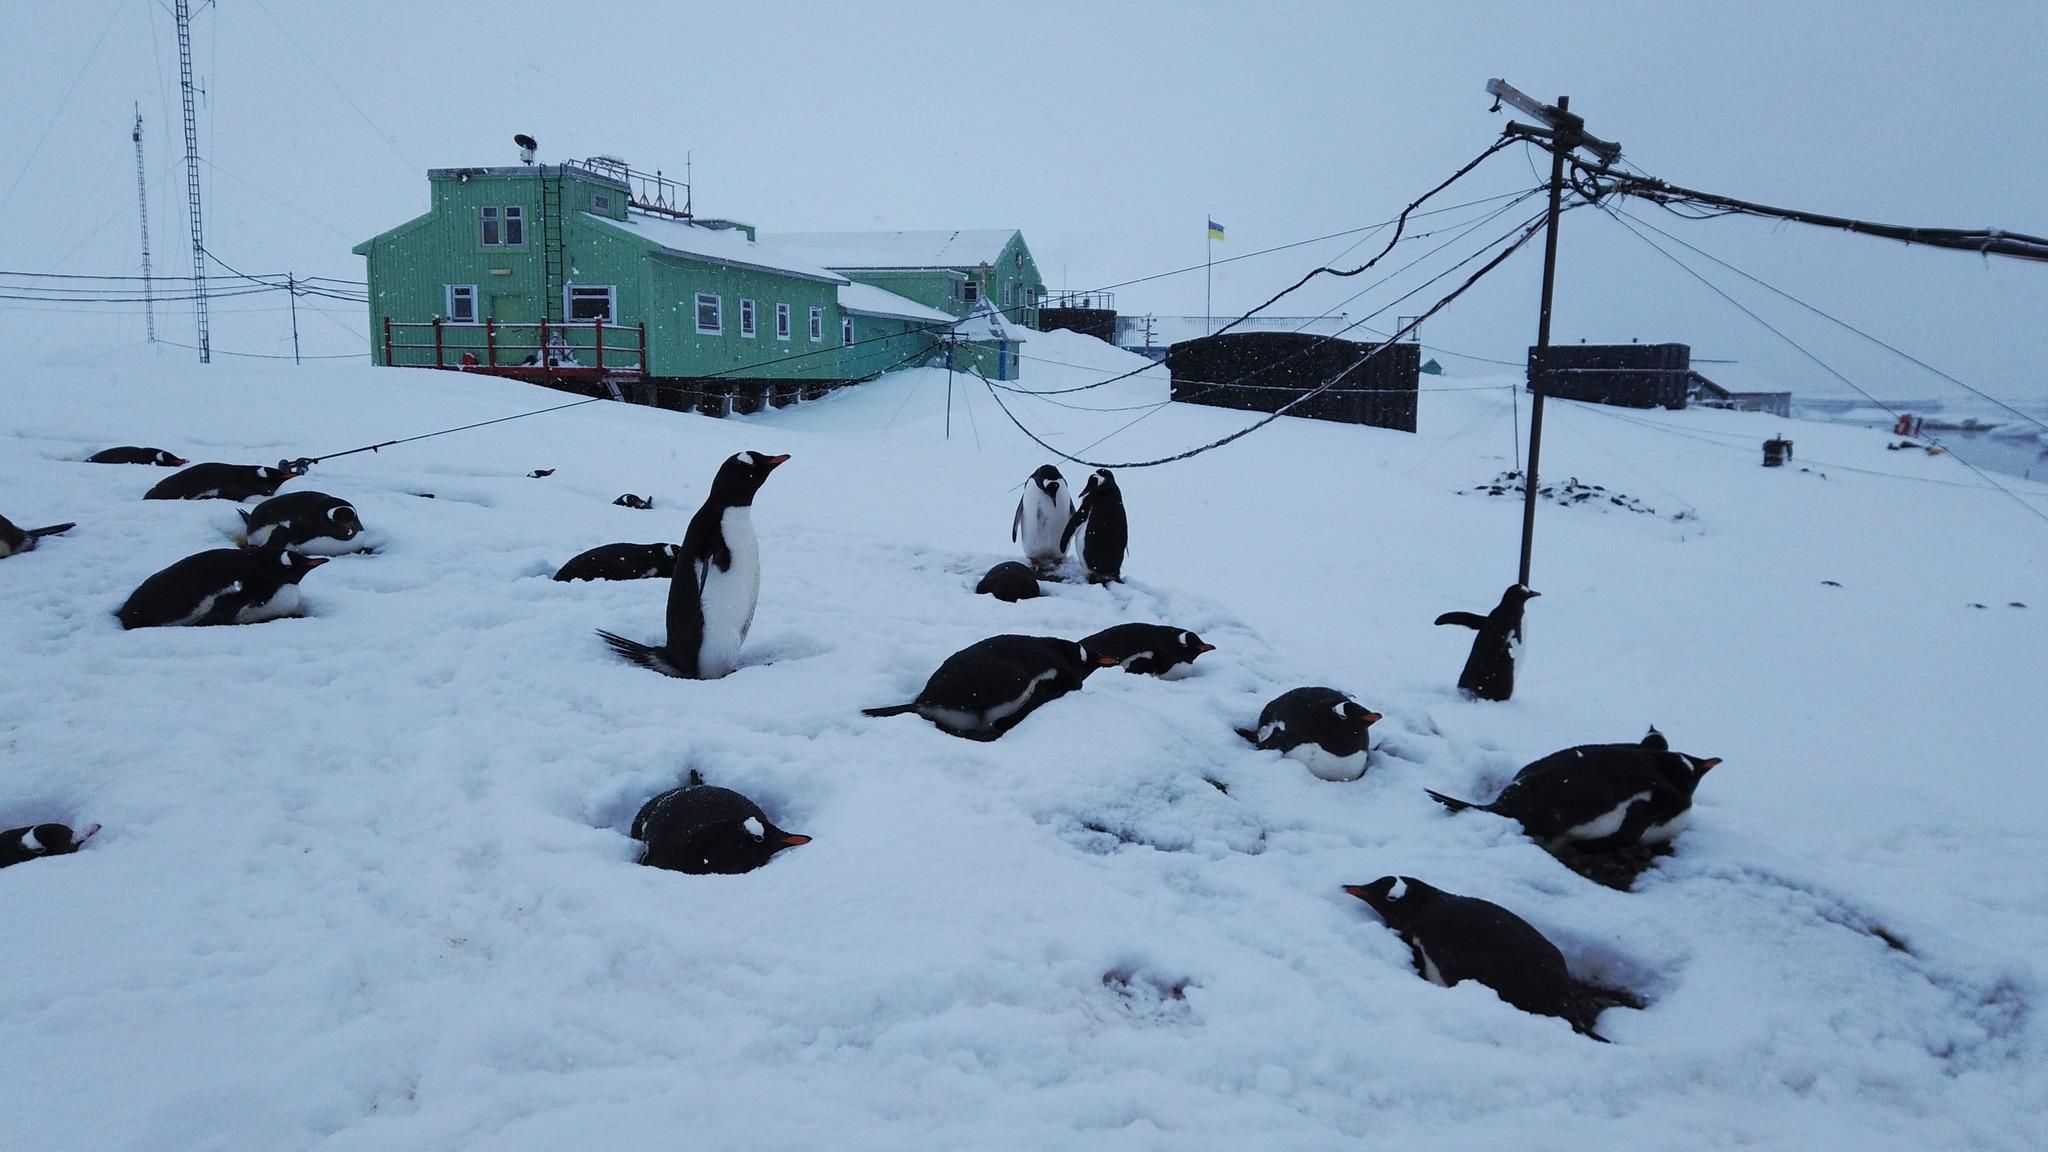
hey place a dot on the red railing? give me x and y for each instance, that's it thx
(543, 352)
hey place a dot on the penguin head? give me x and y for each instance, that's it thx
(1048, 480)
(343, 523)
(287, 566)
(55, 839)
(1691, 769)
(725, 847)
(163, 459)
(1516, 596)
(1193, 645)
(1102, 480)
(1396, 898)
(1352, 712)
(741, 476)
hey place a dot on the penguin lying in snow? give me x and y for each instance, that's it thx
(15, 540)
(1009, 582)
(1489, 672)
(1043, 512)
(132, 454)
(305, 521)
(221, 586)
(701, 829)
(1321, 727)
(1149, 649)
(19, 844)
(629, 500)
(1457, 938)
(1098, 530)
(621, 562)
(1600, 797)
(215, 481)
(717, 579)
(988, 687)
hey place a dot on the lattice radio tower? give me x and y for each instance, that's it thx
(184, 15)
(142, 203)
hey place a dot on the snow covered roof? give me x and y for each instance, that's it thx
(719, 245)
(985, 323)
(1170, 330)
(940, 249)
(868, 300)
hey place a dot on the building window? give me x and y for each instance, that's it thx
(971, 291)
(747, 319)
(490, 214)
(600, 202)
(817, 325)
(462, 303)
(1009, 294)
(782, 321)
(710, 314)
(846, 329)
(583, 303)
(515, 226)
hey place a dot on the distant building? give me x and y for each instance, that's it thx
(1644, 376)
(1321, 377)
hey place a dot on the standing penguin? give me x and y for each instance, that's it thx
(1098, 531)
(1456, 938)
(306, 521)
(1043, 513)
(136, 454)
(1490, 669)
(221, 586)
(988, 687)
(215, 481)
(1321, 727)
(19, 844)
(717, 579)
(1149, 649)
(1600, 797)
(14, 540)
(701, 829)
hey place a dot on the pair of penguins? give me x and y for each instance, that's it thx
(1048, 522)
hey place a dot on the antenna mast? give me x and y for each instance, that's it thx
(184, 14)
(142, 204)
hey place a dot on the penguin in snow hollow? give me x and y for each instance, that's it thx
(1098, 530)
(215, 481)
(701, 829)
(135, 454)
(1009, 582)
(1490, 668)
(19, 844)
(15, 540)
(1149, 649)
(1043, 512)
(221, 586)
(988, 687)
(717, 579)
(1455, 938)
(1600, 797)
(305, 521)
(1321, 727)
(621, 562)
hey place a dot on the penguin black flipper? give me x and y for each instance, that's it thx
(1463, 619)
(1452, 802)
(1017, 521)
(645, 655)
(1074, 522)
(52, 530)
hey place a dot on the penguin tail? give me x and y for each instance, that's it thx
(1588, 1031)
(52, 530)
(645, 655)
(694, 780)
(892, 710)
(1451, 802)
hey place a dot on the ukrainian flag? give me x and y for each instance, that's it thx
(1215, 230)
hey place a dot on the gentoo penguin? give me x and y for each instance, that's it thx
(1321, 727)
(540, 473)
(1490, 670)
(19, 844)
(13, 539)
(701, 829)
(628, 500)
(621, 562)
(1154, 649)
(131, 454)
(1098, 531)
(221, 586)
(717, 579)
(1043, 513)
(1456, 938)
(1009, 582)
(305, 521)
(1600, 797)
(213, 481)
(986, 688)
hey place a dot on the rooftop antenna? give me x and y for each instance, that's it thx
(142, 203)
(527, 147)
(183, 12)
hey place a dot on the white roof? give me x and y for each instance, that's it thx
(1171, 330)
(719, 245)
(941, 249)
(868, 300)
(985, 323)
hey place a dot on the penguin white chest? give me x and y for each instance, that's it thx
(728, 597)
(1044, 521)
(283, 602)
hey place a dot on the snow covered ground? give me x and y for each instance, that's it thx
(365, 884)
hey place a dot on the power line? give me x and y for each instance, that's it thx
(51, 123)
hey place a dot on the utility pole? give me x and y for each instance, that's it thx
(291, 284)
(1562, 134)
(142, 204)
(183, 12)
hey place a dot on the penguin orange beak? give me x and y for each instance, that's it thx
(1372, 717)
(792, 839)
(1205, 648)
(313, 561)
(179, 461)
(86, 834)
(1106, 661)
(776, 461)
(1357, 890)
(1709, 762)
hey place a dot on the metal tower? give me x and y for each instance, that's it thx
(142, 203)
(184, 16)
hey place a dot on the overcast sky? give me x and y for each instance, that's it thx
(1108, 132)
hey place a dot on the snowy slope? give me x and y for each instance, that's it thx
(364, 881)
